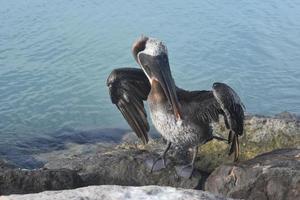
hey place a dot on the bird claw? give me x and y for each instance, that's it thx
(157, 164)
(185, 171)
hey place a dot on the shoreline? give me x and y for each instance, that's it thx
(24, 154)
(270, 149)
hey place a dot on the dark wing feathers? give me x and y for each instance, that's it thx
(128, 88)
(232, 106)
(202, 104)
(208, 105)
(233, 109)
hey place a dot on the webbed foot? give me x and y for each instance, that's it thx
(159, 163)
(185, 171)
(156, 164)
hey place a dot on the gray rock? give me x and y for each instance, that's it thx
(274, 175)
(106, 192)
(121, 165)
(17, 181)
(262, 134)
(124, 164)
(287, 115)
(263, 129)
(6, 165)
(98, 164)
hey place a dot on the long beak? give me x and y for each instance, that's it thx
(160, 71)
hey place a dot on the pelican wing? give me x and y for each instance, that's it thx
(232, 106)
(201, 105)
(206, 106)
(128, 88)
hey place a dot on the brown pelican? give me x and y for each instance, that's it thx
(182, 117)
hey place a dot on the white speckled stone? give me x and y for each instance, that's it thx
(113, 192)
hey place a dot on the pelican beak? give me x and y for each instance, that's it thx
(157, 69)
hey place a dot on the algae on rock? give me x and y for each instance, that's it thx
(261, 134)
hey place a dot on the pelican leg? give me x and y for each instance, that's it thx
(186, 171)
(160, 162)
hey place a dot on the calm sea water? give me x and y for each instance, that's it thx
(55, 57)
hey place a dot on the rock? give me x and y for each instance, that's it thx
(262, 134)
(121, 165)
(272, 129)
(287, 115)
(113, 192)
(124, 164)
(6, 165)
(97, 164)
(274, 175)
(17, 181)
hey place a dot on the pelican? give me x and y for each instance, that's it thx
(182, 117)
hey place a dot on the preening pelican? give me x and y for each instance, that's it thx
(182, 117)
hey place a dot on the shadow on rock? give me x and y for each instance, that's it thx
(122, 165)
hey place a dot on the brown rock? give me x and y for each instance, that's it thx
(274, 175)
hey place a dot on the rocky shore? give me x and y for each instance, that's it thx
(257, 175)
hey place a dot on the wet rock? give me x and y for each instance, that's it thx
(106, 192)
(17, 181)
(121, 165)
(274, 175)
(6, 165)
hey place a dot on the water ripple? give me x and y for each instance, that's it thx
(55, 56)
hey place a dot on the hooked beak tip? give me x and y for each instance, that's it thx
(178, 119)
(178, 116)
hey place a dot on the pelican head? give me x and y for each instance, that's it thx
(152, 56)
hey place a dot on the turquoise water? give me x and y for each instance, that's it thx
(55, 57)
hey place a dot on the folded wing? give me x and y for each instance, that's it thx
(206, 106)
(233, 109)
(128, 88)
